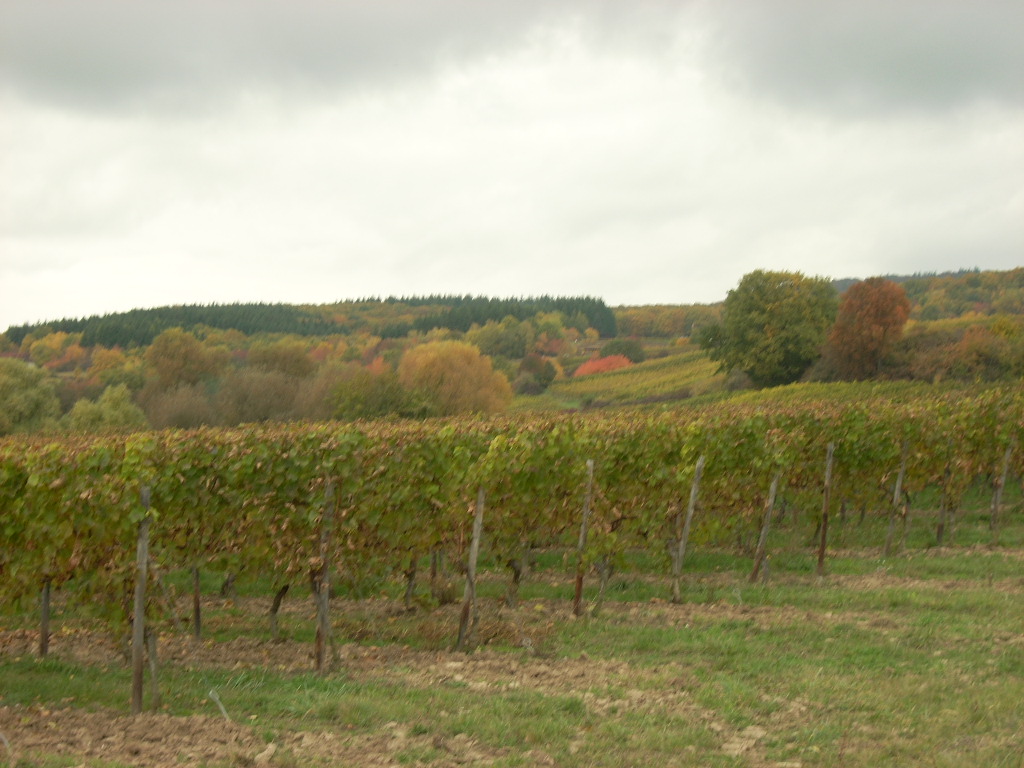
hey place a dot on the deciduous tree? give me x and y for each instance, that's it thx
(871, 317)
(774, 325)
(178, 358)
(28, 399)
(113, 411)
(370, 393)
(287, 356)
(256, 394)
(453, 377)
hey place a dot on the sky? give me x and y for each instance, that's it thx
(217, 151)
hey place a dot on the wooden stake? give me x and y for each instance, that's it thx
(275, 606)
(323, 598)
(577, 603)
(940, 531)
(468, 619)
(197, 610)
(604, 569)
(139, 617)
(997, 498)
(44, 618)
(824, 509)
(154, 669)
(897, 495)
(680, 551)
(762, 542)
(410, 583)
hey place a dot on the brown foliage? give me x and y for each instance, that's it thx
(256, 394)
(182, 407)
(287, 356)
(871, 317)
(178, 358)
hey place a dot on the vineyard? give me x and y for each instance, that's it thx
(323, 504)
(288, 500)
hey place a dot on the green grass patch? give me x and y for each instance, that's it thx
(913, 659)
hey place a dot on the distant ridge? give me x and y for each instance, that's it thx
(386, 318)
(138, 327)
(843, 284)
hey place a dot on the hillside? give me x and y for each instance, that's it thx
(388, 318)
(683, 372)
(233, 364)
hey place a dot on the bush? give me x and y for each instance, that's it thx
(628, 348)
(603, 365)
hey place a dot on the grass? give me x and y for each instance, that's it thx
(916, 659)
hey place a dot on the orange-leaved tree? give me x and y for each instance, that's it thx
(871, 317)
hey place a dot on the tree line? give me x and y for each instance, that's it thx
(780, 327)
(139, 327)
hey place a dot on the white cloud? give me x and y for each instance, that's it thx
(218, 155)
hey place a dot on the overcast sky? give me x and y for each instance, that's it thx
(200, 151)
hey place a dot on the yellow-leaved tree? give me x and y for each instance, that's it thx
(452, 377)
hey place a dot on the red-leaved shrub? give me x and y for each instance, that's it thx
(603, 365)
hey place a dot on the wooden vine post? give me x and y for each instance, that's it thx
(577, 603)
(275, 607)
(762, 542)
(44, 617)
(684, 534)
(897, 495)
(468, 617)
(323, 596)
(944, 506)
(139, 616)
(997, 497)
(824, 509)
(197, 607)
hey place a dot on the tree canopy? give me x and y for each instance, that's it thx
(28, 401)
(773, 326)
(871, 317)
(453, 377)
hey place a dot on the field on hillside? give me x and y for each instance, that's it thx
(682, 373)
(915, 659)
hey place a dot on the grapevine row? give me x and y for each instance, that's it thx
(251, 500)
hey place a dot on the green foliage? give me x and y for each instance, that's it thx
(364, 394)
(254, 497)
(936, 297)
(535, 375)
(509, 338)
(666, 321)
(773, 326)
(139, 327)
(631, 349)
(465, 311)
(113, 411)
(28, 399)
